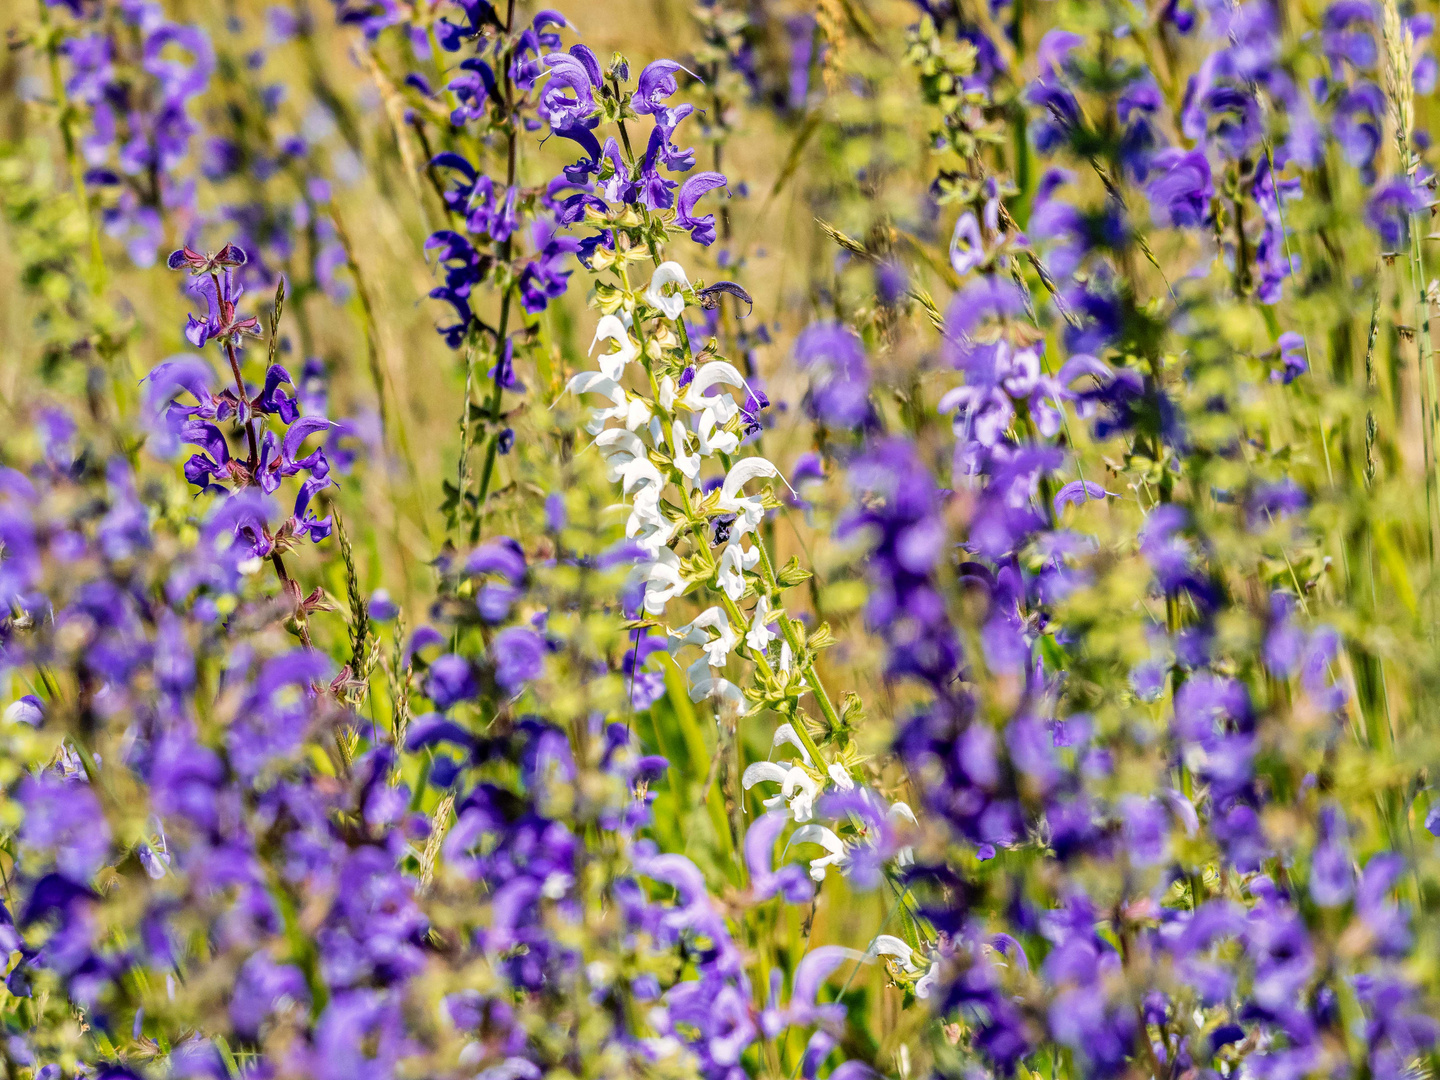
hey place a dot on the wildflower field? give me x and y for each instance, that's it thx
(719, 539)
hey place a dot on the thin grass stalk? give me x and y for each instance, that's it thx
(1399, 88)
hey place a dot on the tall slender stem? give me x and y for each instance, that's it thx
(497, 385)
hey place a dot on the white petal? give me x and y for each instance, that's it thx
(723, 689)
(762, 770)
(714, 440)
(597, 382)
(818, 834)
(619, 447)
(801, 790)
(740, 473)
(662, 580)
(688, 464)
(698, 672)
(667, 273)
(638, 414)
(749, 513)
(715, 373)
(733, 563)
(712, 618)
(927, 982)
(760, 635)
(613, 364)
(651, 536)
(664, 567)
(902, 810)
(641, 471)
(785, 733)
(842, 778)
(890, 945)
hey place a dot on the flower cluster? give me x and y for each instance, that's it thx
(138, 74)
(269, 457)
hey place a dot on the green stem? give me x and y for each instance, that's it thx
(496, 390)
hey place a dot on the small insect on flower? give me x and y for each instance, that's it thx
(710, 295)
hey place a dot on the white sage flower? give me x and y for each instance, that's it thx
(925, 985)
(597, 382)
(688, 464)
(890, 945)
(833, 845)
(759, 636)
(717, 649)
(647, 525)
(741, 473)
(730, 696)
(612, 364)
(798, 788)
(661, 574)
(904, 956)
(637, 473)
(638, 414)
(619, 448)
(734, 561)
(667, 274)
(761, 771)
(714, 439)
(715, 373)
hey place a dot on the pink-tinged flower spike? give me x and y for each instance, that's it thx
(702, 230)
(222, 323)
